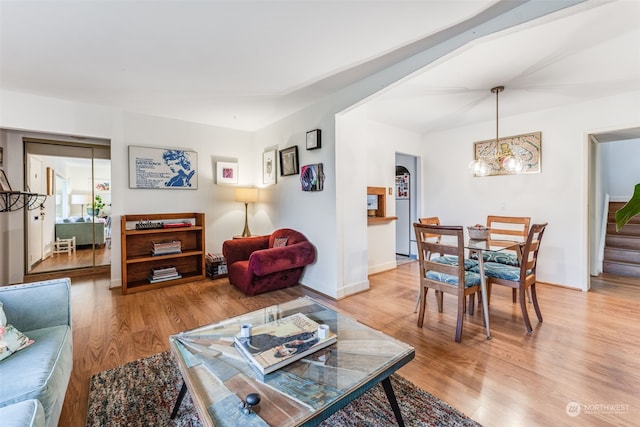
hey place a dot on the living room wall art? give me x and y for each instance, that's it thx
(269, 167)
(162, 168)
(100, 185)
(314, 140)
(289, 161)
(312, 177)
(226, 173)
(50, 181)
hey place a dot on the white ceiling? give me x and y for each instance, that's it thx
(244, 65)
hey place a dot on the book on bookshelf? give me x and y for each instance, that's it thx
(281, 342)
(176, 224)
(166, 248)
(153, 279)
(162, 270)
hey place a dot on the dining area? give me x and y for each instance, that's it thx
(504, 252)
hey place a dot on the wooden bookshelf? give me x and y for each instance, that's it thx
(137, 244)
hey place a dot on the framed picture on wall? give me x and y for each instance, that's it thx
(289, 161)
(269, 167)
(313, 139)
(226, 173)
(162, 168)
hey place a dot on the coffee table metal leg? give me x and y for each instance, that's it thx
(183, 391)
(388, 389)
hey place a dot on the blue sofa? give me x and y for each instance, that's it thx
(84, 231)
(41, 371)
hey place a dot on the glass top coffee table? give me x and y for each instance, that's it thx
(304, 392)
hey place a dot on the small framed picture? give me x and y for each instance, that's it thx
(1, 155)
(289, 161)
(227, 173)
(50, 181)
(4, 182)
(269, 167)
(313, 139)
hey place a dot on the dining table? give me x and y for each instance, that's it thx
(479, 246)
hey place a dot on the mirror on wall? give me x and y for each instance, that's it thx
(72, 229)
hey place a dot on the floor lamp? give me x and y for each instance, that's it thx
(246, 195)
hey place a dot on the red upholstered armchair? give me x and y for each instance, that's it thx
(254, 265)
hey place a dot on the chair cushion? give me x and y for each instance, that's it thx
(502, 271)
(453, 260)
(501, 257)
(470, 278)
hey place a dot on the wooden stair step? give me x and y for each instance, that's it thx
(622, 255)
(611, 218)
(621, 268)
(622, 242)
(627, 230)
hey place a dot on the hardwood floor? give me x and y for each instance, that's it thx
(83, 257)
(586, 351)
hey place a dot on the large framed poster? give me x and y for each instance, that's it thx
(162, 168)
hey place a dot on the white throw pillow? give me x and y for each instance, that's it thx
(11, 339)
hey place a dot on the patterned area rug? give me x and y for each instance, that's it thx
(143, 392)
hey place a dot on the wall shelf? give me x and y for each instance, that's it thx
(11, 201)
(381, 219)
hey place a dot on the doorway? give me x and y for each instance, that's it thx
(612, 178)
(72, 229)
(406, 206)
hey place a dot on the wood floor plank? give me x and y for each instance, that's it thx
(585, 351)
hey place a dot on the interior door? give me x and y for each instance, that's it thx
(35, 216)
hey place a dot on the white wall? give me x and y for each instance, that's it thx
(620, 182)
(558, 195)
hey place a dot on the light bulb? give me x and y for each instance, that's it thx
(512, 164)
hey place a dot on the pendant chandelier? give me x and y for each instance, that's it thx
(504, 156)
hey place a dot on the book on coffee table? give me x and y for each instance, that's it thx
(281, 342)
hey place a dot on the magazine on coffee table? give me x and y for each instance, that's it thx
(281, 342)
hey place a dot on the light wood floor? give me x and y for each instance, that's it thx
(586, 351)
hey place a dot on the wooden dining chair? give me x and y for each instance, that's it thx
(520, 278)
(504, 230)
(444, 278)
(432, 220)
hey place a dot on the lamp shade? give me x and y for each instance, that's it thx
(247, 195)
(79, 199)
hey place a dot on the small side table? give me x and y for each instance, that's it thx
(61, 246)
